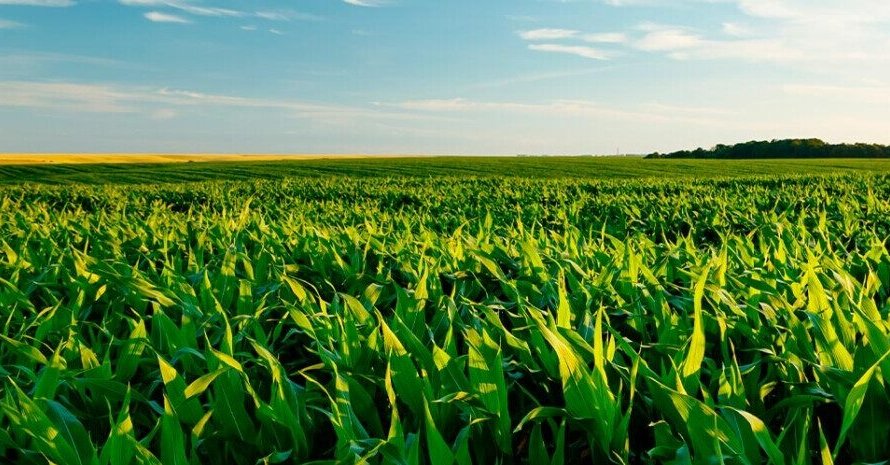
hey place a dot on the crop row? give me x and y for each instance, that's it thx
(447, 322)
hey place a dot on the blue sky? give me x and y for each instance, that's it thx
(438, 76)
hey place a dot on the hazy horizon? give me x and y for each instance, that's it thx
(558, 77)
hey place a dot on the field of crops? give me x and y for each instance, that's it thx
(444, 320)
(537, 167)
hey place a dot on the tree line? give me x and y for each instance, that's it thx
(787, 148)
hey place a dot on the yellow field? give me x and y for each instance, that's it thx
(89, 158)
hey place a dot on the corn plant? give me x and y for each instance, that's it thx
(447, 321)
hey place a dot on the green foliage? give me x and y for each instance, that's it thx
(787, 148)
(555, 167)
(447, 321)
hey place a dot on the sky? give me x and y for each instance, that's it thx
(439, 76)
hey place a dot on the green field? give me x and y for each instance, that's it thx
(446, 311)
(538, 167)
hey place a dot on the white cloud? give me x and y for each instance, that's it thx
(166, 103)
(758, 50)
(681, 43)
(44, 3)
(606, 38)
(625, 2)
(366, 3)
(548, 34)
(272, 15)
(864, 11)
(736, 30)
(191, 8)
(185, 7)
(6, 24)
(578, 50)
(647, 112)
(37, 59)
(455, 104)
(767, 9)
(667, 39)
(858, 95)
(553, 34)
(537, 77)
(286, 16)
(65, 97)
(158, 17)
(820, 34)
(162, 114)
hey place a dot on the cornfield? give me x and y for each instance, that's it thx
(447, 321)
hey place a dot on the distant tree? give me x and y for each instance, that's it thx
(786, 148)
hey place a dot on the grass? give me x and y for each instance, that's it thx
(531, 167)
(416, 319)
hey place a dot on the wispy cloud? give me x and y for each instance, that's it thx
(184, 7)
(194, 9)
(574, 126)
(158, 17)
(43, 3)
(537, 77)
(66, 97)
(286, 15)
(787, 31)
(162, 114)
(659, 39)
(367, 3)
(736, 30)
(858, 95)
(6, 24)
(651, 112)
(272, 16)
(605, 38)
(152, 102)
(33, 58)
(548, 34)
(628, 2)
(560, 34)
(578, 50)
(15, 65)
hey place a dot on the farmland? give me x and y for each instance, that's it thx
(441, 311)
(116, 169)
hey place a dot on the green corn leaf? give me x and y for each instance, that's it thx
(824, 451)
(172, 439)
(198, 386)
(487, 376)
(764, 438)
(854, 401)
(439, 451)
(696, 352)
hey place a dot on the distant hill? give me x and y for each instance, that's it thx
(788, 148)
